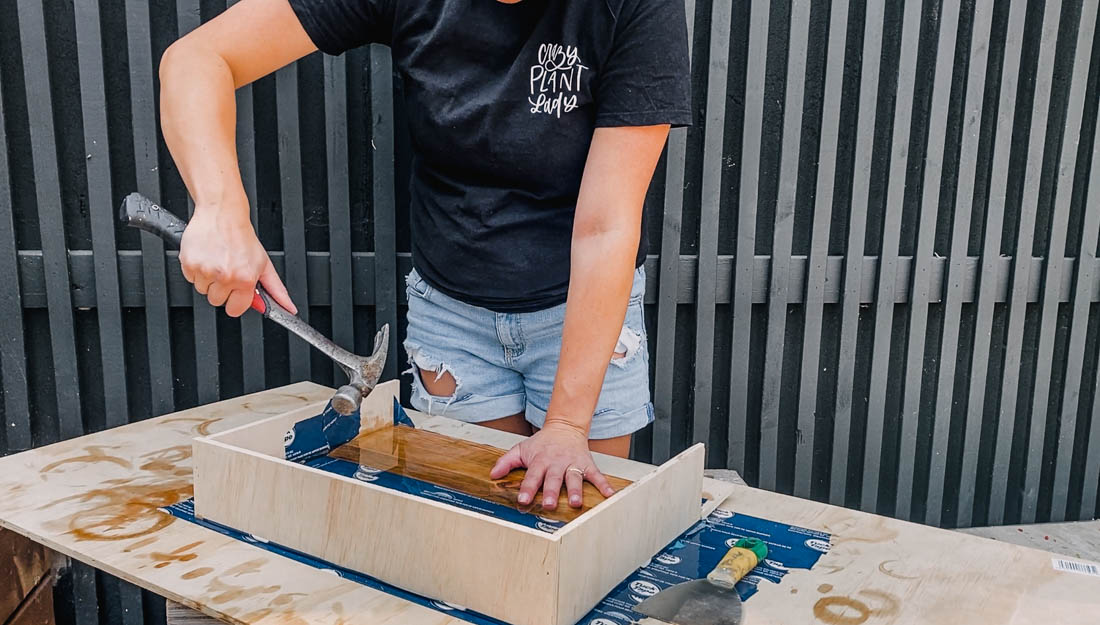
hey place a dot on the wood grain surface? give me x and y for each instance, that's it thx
(879, 570)
(458, 464)
(23, 563)
(37, 608)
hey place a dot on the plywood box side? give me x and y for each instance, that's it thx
(602, 548)
(714, 494)
(267, 436)
(435, 550)
(377, 407)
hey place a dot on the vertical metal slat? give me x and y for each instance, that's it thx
(1092, 462)
(293, 210)
(1075, 348)
(922, 261)
(32, 34)
(207, 377)
(339, 205)
(745, 250)
(853, 262)
(994, 225)
(1021, 275)
(93, 106)
(154, 278)
(711, 190)
(952, 308)
(819, 249)
(385, 246)
(779, 287)
(82, 595)
(667, 289)
(888, 256)
(13, 356)
(1086, 266)
(668, 282)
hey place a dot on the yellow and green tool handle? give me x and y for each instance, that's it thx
(738, 561)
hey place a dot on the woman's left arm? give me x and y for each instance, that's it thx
(606, 229)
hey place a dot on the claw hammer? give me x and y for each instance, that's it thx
(363, 372)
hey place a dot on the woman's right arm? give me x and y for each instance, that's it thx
(221, 254)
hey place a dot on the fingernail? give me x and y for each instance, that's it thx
(524, 498)
(549, 501)
(575, 500)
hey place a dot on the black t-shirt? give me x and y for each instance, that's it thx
(502, 100)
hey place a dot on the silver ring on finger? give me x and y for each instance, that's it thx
(577, 470)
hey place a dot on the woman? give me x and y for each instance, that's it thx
(536, 127)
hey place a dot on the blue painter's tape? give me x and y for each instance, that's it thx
(316, 436)
(400, 417)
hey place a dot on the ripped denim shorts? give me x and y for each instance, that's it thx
(504, 363)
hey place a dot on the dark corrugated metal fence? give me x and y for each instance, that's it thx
(873, 276)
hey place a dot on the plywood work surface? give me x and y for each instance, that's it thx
(457, 464)
(95, 498)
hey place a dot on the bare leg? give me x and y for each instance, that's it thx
(618, 446)
(516, 424)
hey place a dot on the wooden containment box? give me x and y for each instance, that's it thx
(517, 574)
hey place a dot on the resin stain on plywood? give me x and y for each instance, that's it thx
(124, 512)
(202, 571)
(95, 454)
(181, 554)
(164, 460)
(203, 424)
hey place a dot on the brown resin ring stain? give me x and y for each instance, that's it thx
(125, 512)
(95, 454)
(831, 610)
(203, 427)
(882, 567)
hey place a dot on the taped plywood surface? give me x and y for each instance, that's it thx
(421, 545)
(95, 498)
(459, 464)
(438, 550)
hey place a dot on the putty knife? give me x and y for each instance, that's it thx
(712, 600)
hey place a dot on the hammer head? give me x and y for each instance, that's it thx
(363, 374)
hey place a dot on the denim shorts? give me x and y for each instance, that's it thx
(504, 363)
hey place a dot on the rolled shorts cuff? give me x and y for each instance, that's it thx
(605, 423)
(468, 408)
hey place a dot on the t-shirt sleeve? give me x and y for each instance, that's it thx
(646, 79)
(336, 26)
